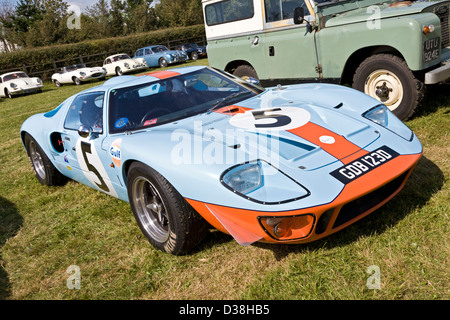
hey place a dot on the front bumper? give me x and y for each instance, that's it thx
(356, 200)
(25, 90)
(439, 74)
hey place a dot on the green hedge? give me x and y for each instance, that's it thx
(43, 60)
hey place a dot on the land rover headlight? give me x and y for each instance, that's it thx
(385, 118)
(244, 178)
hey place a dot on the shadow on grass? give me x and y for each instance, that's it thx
(10, 222)
(436, 96)
(426, 180)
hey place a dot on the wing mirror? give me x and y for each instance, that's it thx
(84, 131)
(299, 18)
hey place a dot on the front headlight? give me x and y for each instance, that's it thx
(13, 85)
(83, 74)
(126, 65)
(261, 182)
(244, 178)
(39, 81)
(385, 118)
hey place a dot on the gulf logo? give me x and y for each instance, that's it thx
(115, 153)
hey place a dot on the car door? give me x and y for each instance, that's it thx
(84, 155)
(149, 57)
(109, 67)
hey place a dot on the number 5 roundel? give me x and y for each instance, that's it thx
(283, 118)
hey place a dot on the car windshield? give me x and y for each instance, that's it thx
(175, 98)
(13, 76)
(159, 49)
(120, 57)
(75, 67)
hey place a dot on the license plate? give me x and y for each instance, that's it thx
(431, 49)
(364, 164)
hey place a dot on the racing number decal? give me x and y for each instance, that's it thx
(283, 118)
(86, 148)
(92, 167)
(280, 119)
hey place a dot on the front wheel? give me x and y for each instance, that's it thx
(163, 63)
(168, 222)
(388, 79)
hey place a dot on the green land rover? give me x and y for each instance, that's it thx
(387, 49)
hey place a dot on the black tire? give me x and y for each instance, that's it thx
(194, 56)
(245, 71)
(8, 94)
(76, 81)
(45, 171)
(388, 79)
(119, 71)
(163, 63)
(57, 83)
(165, 218)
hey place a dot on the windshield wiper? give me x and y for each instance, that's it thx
(226, 99)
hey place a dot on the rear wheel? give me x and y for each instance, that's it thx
(168, 222)
(245, 72)
(45, 171)
(57, 83)
(388, 79)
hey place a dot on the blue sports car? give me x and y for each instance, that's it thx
(195, 147)
(160, 56)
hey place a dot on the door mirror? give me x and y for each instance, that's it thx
(299, 15)
(84, 131)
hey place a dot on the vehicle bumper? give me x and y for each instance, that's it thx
(25, 90)
(439, 74)
(93, 76)
(356, 200)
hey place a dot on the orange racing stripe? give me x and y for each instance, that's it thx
(161, 74)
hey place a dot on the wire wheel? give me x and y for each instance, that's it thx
(150, 209)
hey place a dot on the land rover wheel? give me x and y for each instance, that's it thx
(245, 72)
(168, 222)
(388, 79)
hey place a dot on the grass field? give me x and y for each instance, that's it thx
(45, 230)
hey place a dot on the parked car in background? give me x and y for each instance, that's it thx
(193, 50)
(18, 82)
(121, 63)
(160, 56)
(77, 73)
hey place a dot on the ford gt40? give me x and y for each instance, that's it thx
(195, 147)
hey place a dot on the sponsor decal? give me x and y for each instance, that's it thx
(115, 153)
(363, 165)
(327, 139)
(150, 122)
(122, 122)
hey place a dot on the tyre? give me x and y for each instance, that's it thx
(45, 171)
(119, 71)
(245, 72)
(194, 56)
(57, 83)
(168, 222)
(76, 81)
(388, 79)
(163, 63)
(8, 94)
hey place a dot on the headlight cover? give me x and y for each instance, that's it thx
(260, 182)
(385, 118)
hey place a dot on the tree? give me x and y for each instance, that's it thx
(179, 13)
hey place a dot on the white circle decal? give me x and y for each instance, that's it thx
(327, 139)
(282, 118)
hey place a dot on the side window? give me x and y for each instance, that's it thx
(139, 53)
(148, 51)
(228, 11)
(86, 109)
(277, 10)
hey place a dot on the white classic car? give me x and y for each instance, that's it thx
(77, 73)
(18, 82)
(121, 63)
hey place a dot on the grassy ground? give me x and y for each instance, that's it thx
(44, 231)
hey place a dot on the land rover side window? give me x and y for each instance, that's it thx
(229, 11)
(277, 10)
(86, 109)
